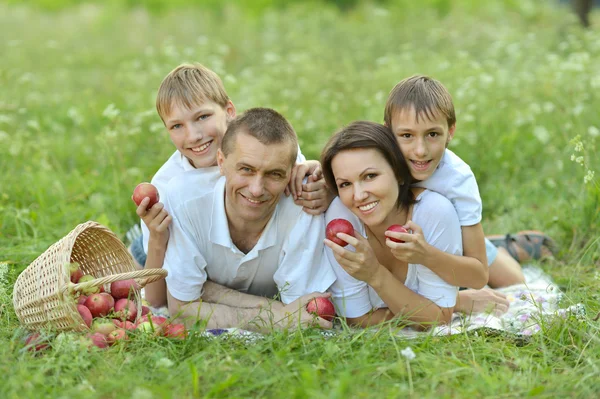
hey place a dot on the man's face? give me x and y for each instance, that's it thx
(422, 143)
(257, 175)
(197, 132)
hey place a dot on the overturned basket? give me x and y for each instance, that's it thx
(42, 294)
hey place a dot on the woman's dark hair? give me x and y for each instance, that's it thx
(362, 135)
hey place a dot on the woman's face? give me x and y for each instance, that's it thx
(366, 184)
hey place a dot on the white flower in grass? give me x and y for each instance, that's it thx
(589, 176)
(541, 133)
(164, 362)
(408, 353)
(593, 131)
(111, 112)
(141, 393)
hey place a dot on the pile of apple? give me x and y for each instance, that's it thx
(109, 315)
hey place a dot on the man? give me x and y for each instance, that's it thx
(237, 243)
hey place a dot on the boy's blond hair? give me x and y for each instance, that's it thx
(427, 96)
(189, 85)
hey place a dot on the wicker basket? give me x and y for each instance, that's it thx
(42, 294)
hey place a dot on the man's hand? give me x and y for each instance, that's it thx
(485, 300)
(414, 249)
(157, 219)
(295, 315)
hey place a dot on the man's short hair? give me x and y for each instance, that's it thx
(426, 95)
(189, 85)
(264, 124)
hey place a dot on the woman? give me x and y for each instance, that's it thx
(364, 165)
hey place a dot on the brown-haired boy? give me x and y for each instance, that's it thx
(420, 112)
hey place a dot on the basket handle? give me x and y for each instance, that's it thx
(143, 277)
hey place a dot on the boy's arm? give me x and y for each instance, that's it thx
(313, 195)
(273, 315)
(157, 221)
(470, 270)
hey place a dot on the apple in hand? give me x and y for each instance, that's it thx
(322, 307)
(338, 226)
(144, 190)
(123, 288)
(398, 229)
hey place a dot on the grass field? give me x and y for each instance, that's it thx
(78, 131)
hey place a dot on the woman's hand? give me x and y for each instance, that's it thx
(362, 264)
(414, 249)
(157, 219)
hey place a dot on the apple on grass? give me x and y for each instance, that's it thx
(85, 314)
(176, 331)
(397, 229)
(98, 304)
(124, 288)
(103, 326)
(75, 273)
(98, 339)
(322, 307)
(144, 190)
(118, 334)
(126, 309)
(35, 342)
(338, 226)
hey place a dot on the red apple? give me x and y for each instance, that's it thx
(35, 342)
(123, 288)
(116, 335)
(85, 314)
(103, 326)
(338, 226)
(176, 331)
(118, 323)
(98, 339)
(148, 327)
(398, 229)
(75, 272)
(81, 299)
(322, 307)
(110, 299)
(98, 305)
(145, 310)
(144, 190)
(126, 309)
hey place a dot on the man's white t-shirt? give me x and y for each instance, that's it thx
(287, 259)
(176, 165)
(441, 228)
(455, 180)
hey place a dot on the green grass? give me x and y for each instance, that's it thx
(525, 80)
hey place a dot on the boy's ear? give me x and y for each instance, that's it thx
(230, 111)
(220, 160)
(451, 133)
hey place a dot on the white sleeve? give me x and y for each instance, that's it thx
(438, 219)
(184, 261)
(301, 267)
(465, 197)
(300, 157)
(350, 296)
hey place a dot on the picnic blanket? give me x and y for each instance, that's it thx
(535, 300)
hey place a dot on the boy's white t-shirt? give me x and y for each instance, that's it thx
(437, 217)
(455, 180)
(176, 165)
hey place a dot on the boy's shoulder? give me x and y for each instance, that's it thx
(192, 184)
(174, 166)
(452, 161)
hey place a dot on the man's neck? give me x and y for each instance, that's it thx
(244, 234)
